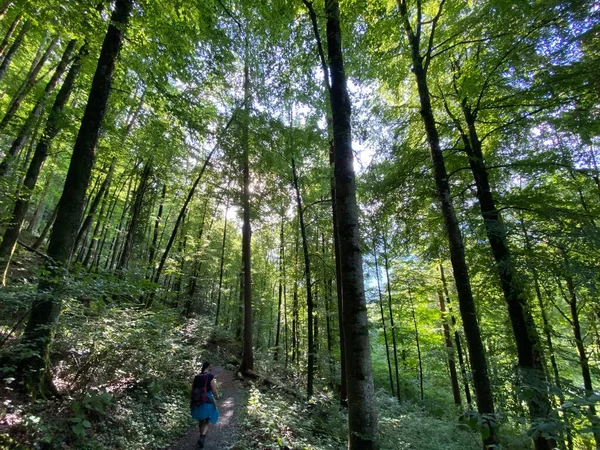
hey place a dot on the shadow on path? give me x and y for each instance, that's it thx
(224, 434)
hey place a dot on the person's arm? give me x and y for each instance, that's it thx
(213, 388)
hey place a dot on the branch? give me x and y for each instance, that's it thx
(239, 24)
(431, 35)
(315, 25)
(37, 252)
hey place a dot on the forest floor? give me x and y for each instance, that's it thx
(225, 432)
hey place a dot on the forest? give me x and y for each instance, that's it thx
(379, 216)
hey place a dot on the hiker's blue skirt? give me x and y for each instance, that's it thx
(206, 411)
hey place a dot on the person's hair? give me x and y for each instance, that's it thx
(205, 366)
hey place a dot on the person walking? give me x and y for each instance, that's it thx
(202, 403)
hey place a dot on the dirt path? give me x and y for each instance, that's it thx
(225, 433)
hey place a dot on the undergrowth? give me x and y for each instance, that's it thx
(123, 374)
(276, 419)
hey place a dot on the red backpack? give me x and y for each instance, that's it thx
(200, 392)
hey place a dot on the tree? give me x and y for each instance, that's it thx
(46, 309)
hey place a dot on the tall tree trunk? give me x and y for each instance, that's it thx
(581, 352)
(53, 126)
(29, 84)
(417, 341)
(152, 252)
(182, 212)
(386, 266)
(135, 216)
(9, 33)
(457, 340)
(295, 309)
(362, 411)
(87, 259)
(40, 209)
(310, 371)
(13, 48)
(328, 292)
(104, 187)
(115, 245)
(280, 288)
(338, 270)
(46, 308)
(222, 264)
(387, 347)
(42, 237)
(530, 356)
(449, 349)
(4, 8)
(247, 353)
(485, 402)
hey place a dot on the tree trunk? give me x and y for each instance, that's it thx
(9, 33)
(4, 8)
(182, 212)
(581, 352)
(449, 350)
(222, 264)
(40, 209)
(53, 126)
(46, 308)
(29, 84)
(40, 240)
(309, 298)
(295, 309)
(13, 49)
(83, 230)
(414, 317)
(339, 288)
(483, 391)
(87, 260)
(386, 266)
(153, 248)
(457, 340)
(531, 362)
(135, 216)
(362, 411)
(247, 354)
(280, 289)
(387, 347)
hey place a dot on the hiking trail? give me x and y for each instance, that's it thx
(224, 433)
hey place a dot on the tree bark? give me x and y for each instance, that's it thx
(13, 49)
(581, 352)
(42, 237)
(4, 8)
(53, 126)
(9, 33)
(152, 252)
(387, 347)
(310, 370)
(362, 411)
(29, 84)
(280, 288)
(222, 264)
(483, 391)
(418, 343)
(530, 356)
(135, 216)
(46, 308)
(449, 350)
(461, 362)
(182, 212)
(247, 353)
(386, 266)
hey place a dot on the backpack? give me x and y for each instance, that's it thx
(200, 393)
